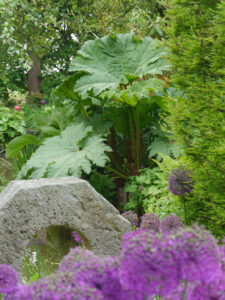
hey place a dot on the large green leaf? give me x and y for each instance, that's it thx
(19, 143)
(74, 151)
(66, 89)
(114, 60)
(139, 90)
(165, 147)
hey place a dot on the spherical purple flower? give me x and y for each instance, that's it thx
(58, 286)
(170, 223)
(151, 222)
(202, 291)
(196, 252)
(180, 181)
(144, 271)
(8, 279)
(76, 237)
(43, 101)
(131, 216)
(98, 272)
(156, 264)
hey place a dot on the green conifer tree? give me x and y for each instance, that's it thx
(196, 38)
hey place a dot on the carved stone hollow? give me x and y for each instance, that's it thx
(28, 206)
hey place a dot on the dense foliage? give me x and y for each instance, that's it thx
(129, 95)
(11, 124)
(196, 40)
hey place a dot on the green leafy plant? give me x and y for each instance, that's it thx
(12, 123)
(163, 144)
(103, 184)
(117, 60)
(73, 152)
(119, 75)
(149, 192)
(21, 148)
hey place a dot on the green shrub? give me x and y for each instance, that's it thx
(196, 39)
(149, 193)
(11, 124)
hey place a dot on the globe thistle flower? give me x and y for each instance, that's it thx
(131, 216)
(170, 223)
(151, 222)
(76, 237)
(180, 181)
(8, 279)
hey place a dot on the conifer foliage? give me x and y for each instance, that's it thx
(196, 38)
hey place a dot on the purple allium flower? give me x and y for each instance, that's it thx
(180, 181)
(151, 222)
(156, 264)
(131, 216)
(98, 272)
(43, 101)
(8, 279)
(58, 286)
(170, 223)
(202, 291)
(144, 271)
(76, 237)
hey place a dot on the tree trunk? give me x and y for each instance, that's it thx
(34, 80)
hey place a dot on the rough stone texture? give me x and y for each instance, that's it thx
(27, 206)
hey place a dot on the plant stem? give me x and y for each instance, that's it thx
(185, 212)
(184, 291)
(138, 139)
(117, 172)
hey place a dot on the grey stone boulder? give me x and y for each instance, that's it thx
(28, 206)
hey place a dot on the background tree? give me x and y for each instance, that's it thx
(41, 36)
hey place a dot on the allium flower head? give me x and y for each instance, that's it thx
(131, 216)
(43, 101)
(76, 237)
(58, 286)
(98, 272)
(144, 271)
(8, 279)
(151, 222)
(170, 223)
(156, 264)
(180, 181)
(197, 254)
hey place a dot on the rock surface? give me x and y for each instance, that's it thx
(28, 206)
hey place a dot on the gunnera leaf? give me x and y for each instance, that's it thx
(111, 61)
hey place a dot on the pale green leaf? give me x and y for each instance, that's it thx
(73, 152)
(111, 61)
